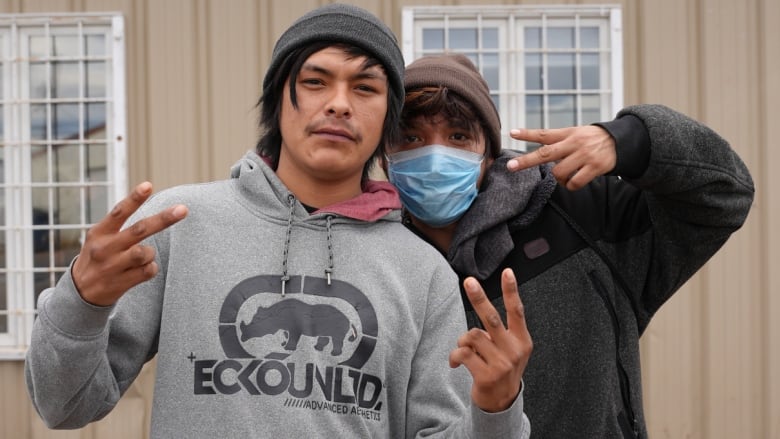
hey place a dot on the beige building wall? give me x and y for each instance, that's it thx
(711, 357)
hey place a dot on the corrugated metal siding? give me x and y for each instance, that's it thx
(711, 356)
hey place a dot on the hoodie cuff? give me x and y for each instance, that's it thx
(632, 145)
(66, 311)
(511, 422)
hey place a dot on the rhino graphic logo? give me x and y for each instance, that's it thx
(313, 308)
(297, 318)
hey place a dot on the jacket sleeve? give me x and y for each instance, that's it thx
(82, 358)
(439, 401)
(689, 183)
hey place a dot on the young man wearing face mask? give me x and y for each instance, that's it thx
(596, 255)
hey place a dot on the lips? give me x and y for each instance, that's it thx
(335, 132)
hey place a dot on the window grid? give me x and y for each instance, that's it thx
(60, 175)
(510, 92)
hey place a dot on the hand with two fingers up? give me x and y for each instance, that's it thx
(581, 153)
(495, 356)
(113, 260)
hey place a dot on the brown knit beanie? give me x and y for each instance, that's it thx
(460, 75)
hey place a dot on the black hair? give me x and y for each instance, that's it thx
(429, 102)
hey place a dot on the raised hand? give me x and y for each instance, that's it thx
(582, 153)
(497, 356)
(112, 260)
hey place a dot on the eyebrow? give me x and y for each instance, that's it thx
(366, 73)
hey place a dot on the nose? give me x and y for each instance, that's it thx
(339, 104)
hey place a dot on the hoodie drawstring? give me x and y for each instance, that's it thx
(285, 276)
(328, 270)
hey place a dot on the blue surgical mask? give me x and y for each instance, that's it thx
(436, 183)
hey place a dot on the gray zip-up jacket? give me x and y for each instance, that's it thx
(268, 321)
(588, 296)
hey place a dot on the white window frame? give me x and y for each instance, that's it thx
(509, 20)
(16, 144)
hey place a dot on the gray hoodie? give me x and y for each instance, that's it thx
(268, 321)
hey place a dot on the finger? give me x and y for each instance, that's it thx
(123, 209)
(467, 357)
(541, 136)
(546, 153)
(147, 227)
(487, 313)
(137, 275)
(481, 343)
(515, 311)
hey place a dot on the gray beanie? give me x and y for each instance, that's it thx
(460, 75)
(341, 23)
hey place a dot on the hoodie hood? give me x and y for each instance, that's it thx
(263, 190)
(507, 201)
(378, 201)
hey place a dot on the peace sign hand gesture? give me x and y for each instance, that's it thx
(496, 357)
(112, 260)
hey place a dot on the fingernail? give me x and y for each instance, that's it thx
(515, 132)
(512, 165)
(179, 211)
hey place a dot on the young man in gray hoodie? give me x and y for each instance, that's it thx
(602, 225)
(288, 300)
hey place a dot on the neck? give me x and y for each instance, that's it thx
(441, 237)
(319, 191)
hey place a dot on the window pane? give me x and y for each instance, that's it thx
(560, 37)
(97, 203)
(533, 37)
(39, 164)
(97, 163)
(66, 163)
(563, 113)
(589, 37)
(40, 234)
(433, 39)
(38, 82)
(463, 38)
(533, 71)
(490, 38)
(533, 111)
(67, 205)
(491, 70)
(38, 122)
(590, 71)
(95, 45)
(3, 306)
(66, 246)
(65, 121)
(95, 121)
(591, 109)
(39, 48)
(65, 45)
(65, 83)
(96, 79)
(561, 71)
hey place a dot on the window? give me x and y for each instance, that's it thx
(547, 66)
(62, 151)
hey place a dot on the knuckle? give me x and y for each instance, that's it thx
(520, 310)
(138, 228)
(494, 320)
(96, 251)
